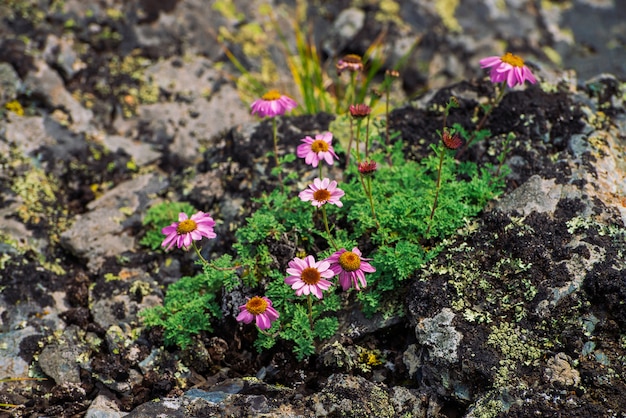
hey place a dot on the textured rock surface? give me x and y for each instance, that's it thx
(124, 104)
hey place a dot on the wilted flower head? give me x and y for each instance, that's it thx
(306, 276)
(350, 62)
(272, 104)
(260, 309)
(350, 267)
(360, 110)
(451, 141)
(367, 167)
(186, 230)
(315, 150)
(509, 68)
(322, 192)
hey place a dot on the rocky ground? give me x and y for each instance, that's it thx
(109, 107)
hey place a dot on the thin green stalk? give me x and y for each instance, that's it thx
(358, 143)
(483, 119)
(350, 142)
(330, 237)
(442, 152)
(197, 250)
(310, 305)
(275, 133)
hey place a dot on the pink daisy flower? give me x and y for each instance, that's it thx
(306, 276)
(509, 68)
(260, 309)
(272, 104)
(322, 192)
(350, 267)
(185, 231)
(315, 150)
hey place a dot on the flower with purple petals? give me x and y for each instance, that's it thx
(272, 104)
(187, 230)
(315, 150)
(260, 309)
(350, 267)
(509, 68)
(321, 192)
(306, 276)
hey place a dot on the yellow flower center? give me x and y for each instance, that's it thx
(186, 226)
(349, 261)
(319, 145)
(256, 305)
(310, 275)
(321, 195)
(514, 60)
(271, 95)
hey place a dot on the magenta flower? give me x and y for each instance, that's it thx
(315, 150)
(509, 68)
(350, 267)
(322, 192)
(308, 277)
(185, 231)
(272, 104)
(260, 309)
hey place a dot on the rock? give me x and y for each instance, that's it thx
(101, 232)
(61, 359)
(103, 407)
(47, 83)
(559, 370)
(9, 83)
(441, 338)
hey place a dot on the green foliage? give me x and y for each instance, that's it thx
(191, 304)
(158, 217)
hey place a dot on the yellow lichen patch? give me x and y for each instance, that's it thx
(446, 10)
(36, 189)
(15, 107)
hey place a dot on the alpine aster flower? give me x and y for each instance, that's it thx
(272, 104)
(367, 167)
(350, 62)
(350, 267)
(451, 141)
(306, 276)
(315, 150)
(260, 309)
(185, 231)
(321, 192)
(509, 68)
(359, 111)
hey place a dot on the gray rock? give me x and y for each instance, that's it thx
(47, 83)
(438, 334)
(9, 83)
(103, 407)
(61, 359)
(102, 232)
(348, 23)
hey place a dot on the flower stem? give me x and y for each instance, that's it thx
(309, 302)
(442, 153)
(330, 237)
(275, 134)
(358, 136)
(483, 119)
(350, 142)
(197, 250)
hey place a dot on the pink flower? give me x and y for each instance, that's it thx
(350, 267)
(272, 104)
(321, 192)
(509, 68)
(351, 62)
(260, 309)
(183, 232)
(308, 277)
(315, 150)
